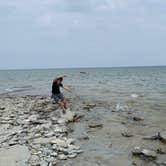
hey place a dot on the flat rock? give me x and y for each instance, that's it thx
(127, 134)
(69, 116)
(72, 155)
(144, 152)
(95, 125)
(138, 118)
(62, 157)
(163, 136)
(84, 137)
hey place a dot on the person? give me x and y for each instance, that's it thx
(56, 93)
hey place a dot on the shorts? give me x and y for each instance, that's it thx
(58, 97)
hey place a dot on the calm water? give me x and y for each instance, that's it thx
(140, 85)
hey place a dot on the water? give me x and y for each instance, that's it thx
(138, 89)
(143, 86)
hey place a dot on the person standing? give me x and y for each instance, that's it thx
(56, 93)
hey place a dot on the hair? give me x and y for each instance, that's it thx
(58, 79)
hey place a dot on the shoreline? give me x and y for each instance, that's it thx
(103, 135)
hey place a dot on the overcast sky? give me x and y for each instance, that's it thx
(82, 33)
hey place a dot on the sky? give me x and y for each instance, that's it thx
(82, 33)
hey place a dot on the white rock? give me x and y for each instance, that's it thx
(59, 142)
(70, 141)
(72, 155)
(62, 157)
(149, 153)
(69, 116)
(54, 154)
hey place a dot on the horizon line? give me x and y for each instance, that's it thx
(90, 67)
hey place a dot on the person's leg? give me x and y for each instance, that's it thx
(65, 104)
(61, 104)
(63, 100)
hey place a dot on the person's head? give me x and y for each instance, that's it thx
(58, 79)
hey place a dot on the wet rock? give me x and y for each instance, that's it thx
(162, 136)
(89, 106)
(76, 151)
(52, 163)
(138, 118)
(62, 157)
(85, 137)
(95, 125)
(144, 152)
(77, 117)
(121, 108)
(161, 150)
(50, 134)
(159, 136)
(154, 137)
(59, 142)
(160, 163)
(32, 118)
(70, 141)
(69, 116)
(38, 127)
(83, 72)
(54, 154)
(12, 143)
(2, 108)
(73, 147)
(72, 155)
(127, 134)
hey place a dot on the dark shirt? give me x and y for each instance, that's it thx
(56, 87)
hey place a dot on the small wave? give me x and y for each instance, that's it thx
(22, 87)
(120, 107)
(18, 89)
(9, 90)
(134, 95)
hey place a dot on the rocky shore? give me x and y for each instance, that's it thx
(35, 132)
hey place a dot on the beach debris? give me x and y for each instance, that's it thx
(154, 137)
(127, 134)
(142, 152)
(83, 72)
(159, 136)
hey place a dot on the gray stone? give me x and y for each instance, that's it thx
(162, 135)
(62, 157)
(72, 155)
(95, 125)
(145, 152)
(54, 154)
(127, 134)
(138, 118)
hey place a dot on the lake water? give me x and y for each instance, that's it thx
(141, 86)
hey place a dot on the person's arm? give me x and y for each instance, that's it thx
(66, 88)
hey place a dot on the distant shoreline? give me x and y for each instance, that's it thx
(81, 68)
